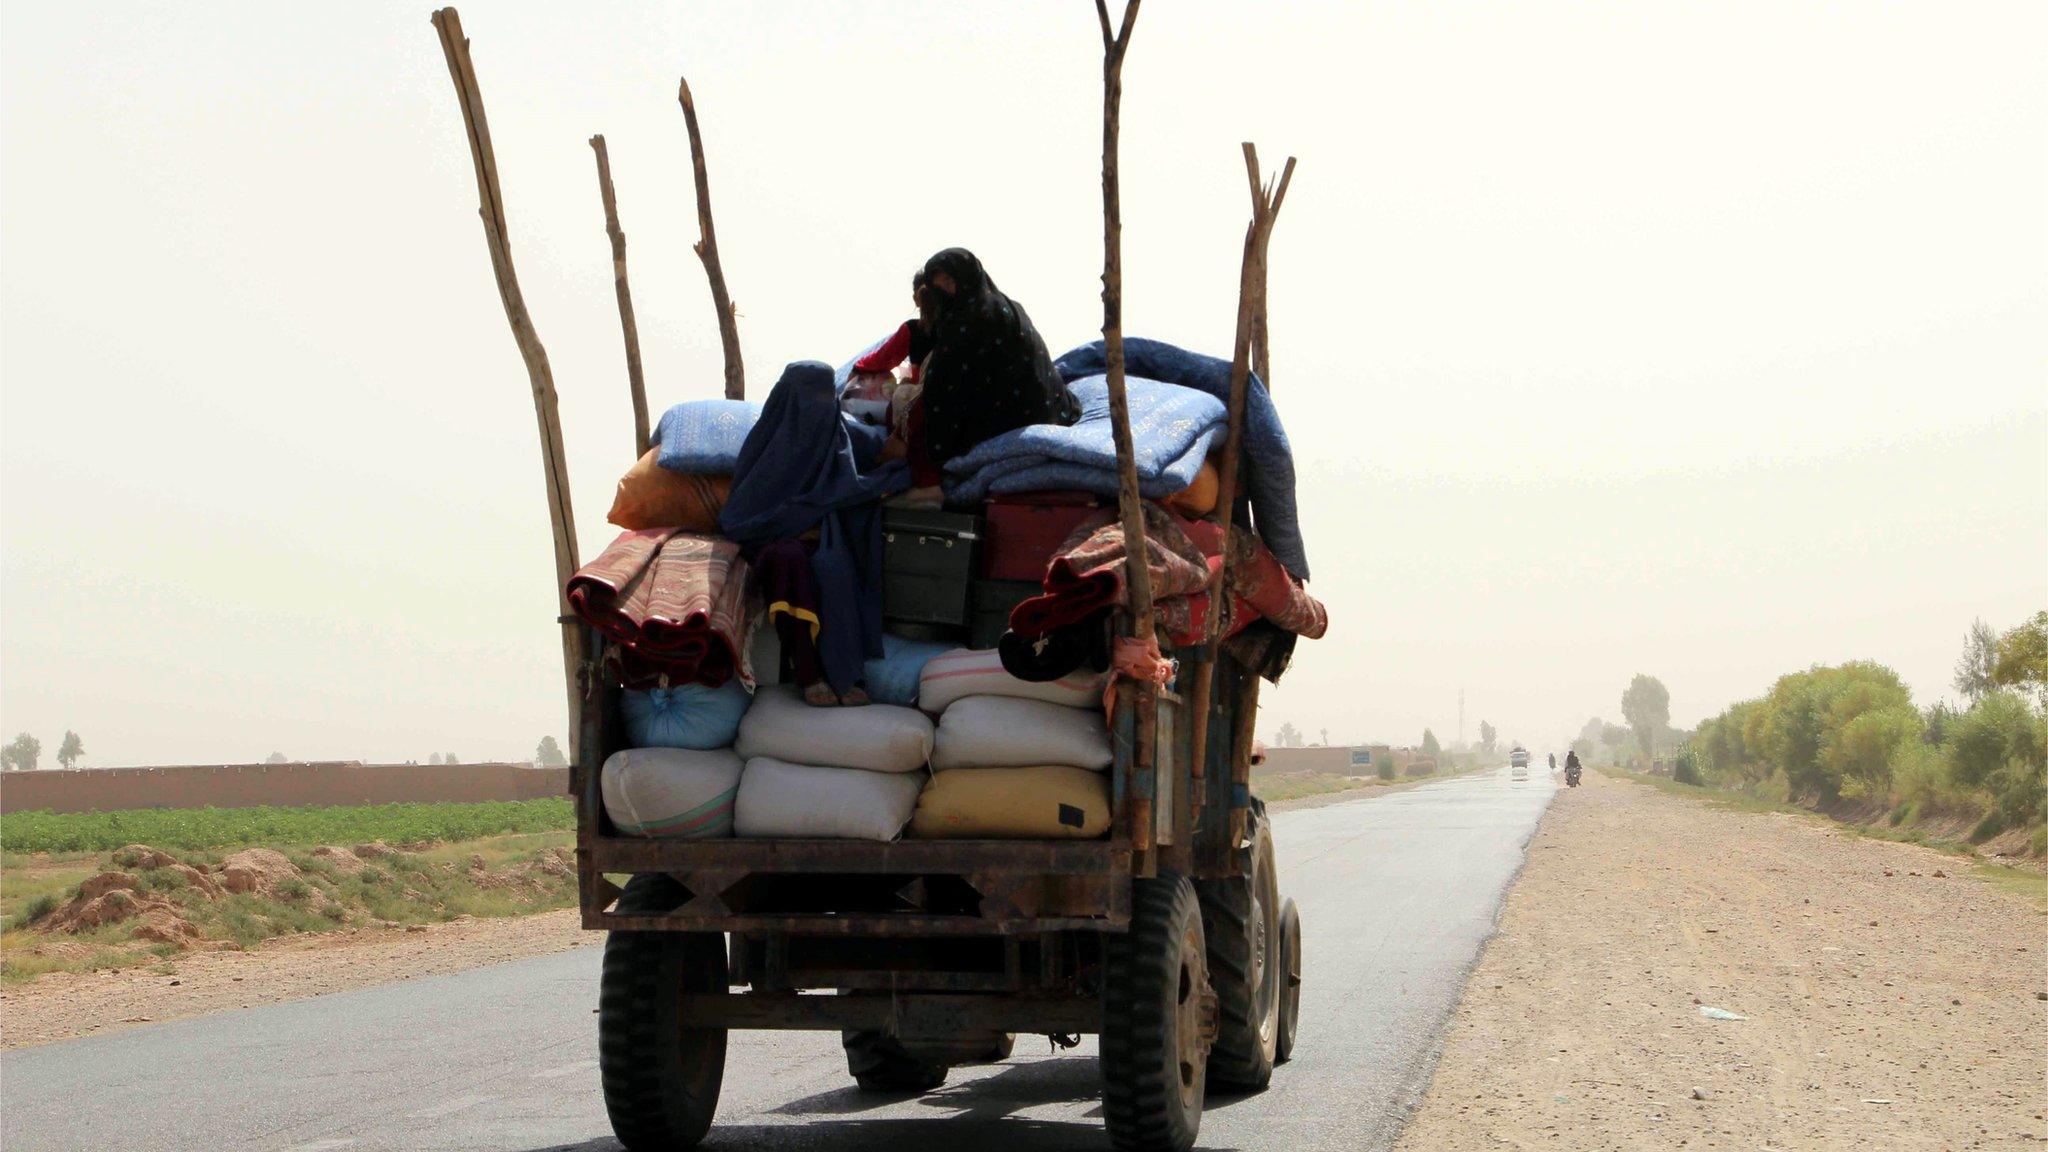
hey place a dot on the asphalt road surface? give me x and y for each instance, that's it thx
(1397, 895)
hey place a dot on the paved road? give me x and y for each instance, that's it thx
(1397, 894)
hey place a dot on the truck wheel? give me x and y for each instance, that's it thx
(1241, 917)
(1158, 1020)
(1290, 969)
(660, 1075)
(880, 1063)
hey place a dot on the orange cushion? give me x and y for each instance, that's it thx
(1199, 498)
(651, 496)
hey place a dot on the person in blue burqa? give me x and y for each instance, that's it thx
(806, 466)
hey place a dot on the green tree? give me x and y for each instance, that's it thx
(1288, 736)
(2000, 748)
(1488, 736)
(434, 759)
(1647, 708)
(275, 758)
(449, 758)
(549, 754)
(2021, 660)
(21, 753)
(1974, 666)
(1613, 737)
(1430, 747)
(70, 749)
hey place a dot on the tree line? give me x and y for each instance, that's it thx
(24, 753)
(1851, 733)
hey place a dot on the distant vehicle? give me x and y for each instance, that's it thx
(1518, 757)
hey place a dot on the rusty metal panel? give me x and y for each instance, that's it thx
(921, 1014)
(867, 924)
(908, 857)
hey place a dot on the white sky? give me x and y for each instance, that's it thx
(1708, 341)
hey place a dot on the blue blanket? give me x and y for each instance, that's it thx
(1172, 430)
(1270, 475)
(704, 436)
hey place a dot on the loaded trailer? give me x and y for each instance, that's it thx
(1167, 938)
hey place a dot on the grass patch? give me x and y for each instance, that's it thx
(2025, 883)
(231, 828)
(521, 873)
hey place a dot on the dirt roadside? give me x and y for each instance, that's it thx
(64, 1005)
(1891, 999)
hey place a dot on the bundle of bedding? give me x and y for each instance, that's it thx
(1268, 457)
(1172, 430)
(673, 603)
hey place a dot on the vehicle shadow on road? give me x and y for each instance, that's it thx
(982, 1111)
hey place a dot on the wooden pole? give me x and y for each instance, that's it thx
(1251, 280)
(642, 437)
(1139, 696)
(455, 46)
(706, 248)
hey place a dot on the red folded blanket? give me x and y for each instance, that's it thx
(674, 602)
(1184, 556)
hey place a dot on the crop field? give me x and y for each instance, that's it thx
(204, 828)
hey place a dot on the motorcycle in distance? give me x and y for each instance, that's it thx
(1571, 770)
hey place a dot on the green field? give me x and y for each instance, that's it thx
(202, 828)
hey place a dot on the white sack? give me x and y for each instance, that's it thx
(779, 799)
(1004, 732)
(670, 792)
(877, 737)
(980, 672)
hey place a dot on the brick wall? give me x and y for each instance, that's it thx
(251, 785)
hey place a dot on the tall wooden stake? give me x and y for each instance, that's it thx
(706, 248)
(642, 438)
(1266, 200)
(1137, 573)
(455, 46)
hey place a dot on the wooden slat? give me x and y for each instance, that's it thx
(497, 235)
(631, 327)
(706, 248)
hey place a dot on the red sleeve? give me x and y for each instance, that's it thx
(889, 355)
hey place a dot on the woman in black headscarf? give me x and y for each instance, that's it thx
(988, 371)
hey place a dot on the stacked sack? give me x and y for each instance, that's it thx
(1012, 759)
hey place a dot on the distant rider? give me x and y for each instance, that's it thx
(1553, 763)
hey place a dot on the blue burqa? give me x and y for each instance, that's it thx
(800, 468)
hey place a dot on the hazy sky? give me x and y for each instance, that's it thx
(1709, 341)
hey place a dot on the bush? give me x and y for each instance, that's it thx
(1383, 766)
(37, 909)
(1685, 767)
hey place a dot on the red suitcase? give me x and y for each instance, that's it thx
(1022, 532)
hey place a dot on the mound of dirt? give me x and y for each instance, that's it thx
(143, 858)
(164, 926)
(258, 870)
(104, 883)
(198, 880)
(340, 859)
(375, 850)
(110, 906)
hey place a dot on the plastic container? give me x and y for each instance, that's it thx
(1024, 532)
(928, 565)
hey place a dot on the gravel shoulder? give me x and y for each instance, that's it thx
(1892, 1000)
(64, 1005)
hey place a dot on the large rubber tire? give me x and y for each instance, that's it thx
(1156, 1007)
(1241, 917)
(880, 1063)
(661, 1076)
(1290, 969)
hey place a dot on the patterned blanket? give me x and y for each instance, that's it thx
(673, 603)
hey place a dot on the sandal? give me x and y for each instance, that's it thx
(820, 695)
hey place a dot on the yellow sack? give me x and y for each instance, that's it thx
(1053, 803)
